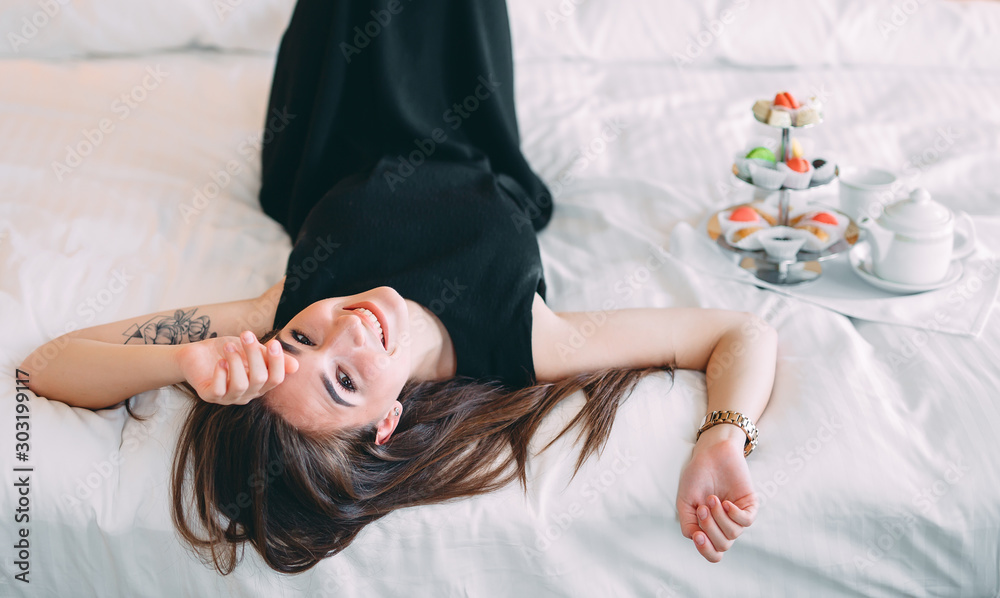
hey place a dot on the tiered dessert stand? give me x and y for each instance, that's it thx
(805, 267)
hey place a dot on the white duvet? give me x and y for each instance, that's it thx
(879, 464)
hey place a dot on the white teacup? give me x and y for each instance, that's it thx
(866, 191)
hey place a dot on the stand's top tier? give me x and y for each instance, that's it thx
(785, 111)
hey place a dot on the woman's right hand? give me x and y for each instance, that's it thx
(229, 370)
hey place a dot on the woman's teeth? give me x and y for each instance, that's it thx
(371, 317)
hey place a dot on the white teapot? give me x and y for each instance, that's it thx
(912, 241)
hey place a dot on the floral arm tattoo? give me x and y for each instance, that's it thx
(182, 327)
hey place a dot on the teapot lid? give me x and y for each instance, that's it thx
(916, 214)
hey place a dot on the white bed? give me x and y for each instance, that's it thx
(879, 462)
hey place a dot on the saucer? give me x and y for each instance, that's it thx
(861, 263)
(965, 237)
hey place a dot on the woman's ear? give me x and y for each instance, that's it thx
(387, 425)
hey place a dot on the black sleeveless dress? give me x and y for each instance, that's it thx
(392, 158)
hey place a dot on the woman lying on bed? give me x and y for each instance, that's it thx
(408, 356)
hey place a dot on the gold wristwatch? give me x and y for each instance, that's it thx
(737, 419)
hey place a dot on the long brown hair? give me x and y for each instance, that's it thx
(299, 496)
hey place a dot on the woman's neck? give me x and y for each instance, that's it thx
(433, 354)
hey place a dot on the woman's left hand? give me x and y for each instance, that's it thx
(234, 370)
(715, 499)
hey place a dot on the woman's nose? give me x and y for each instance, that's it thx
(353, 329)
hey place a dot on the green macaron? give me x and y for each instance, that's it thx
(762, 153)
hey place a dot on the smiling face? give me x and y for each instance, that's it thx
(353, 363)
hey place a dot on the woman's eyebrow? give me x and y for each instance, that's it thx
(288, 348)
(333, 391)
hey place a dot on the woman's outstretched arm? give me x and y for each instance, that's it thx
(738, 352)
(103, 365)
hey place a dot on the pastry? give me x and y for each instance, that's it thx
(745, 232)
(824, 170)
(762, 153)
(786, 100)
(824, 218)
(798, 173)
(779, 118)
(744, 214)
(765, 175)
(799, 164)
(796, 149)
(761, 109)
(816, 104)
(769, 218)
(821, 234)
(806, 116)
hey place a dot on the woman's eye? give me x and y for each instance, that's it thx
(301, 338)
(346, 381)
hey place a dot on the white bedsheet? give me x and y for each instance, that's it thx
(879, 463)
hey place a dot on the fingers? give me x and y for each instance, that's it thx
(730, 528)
(257, 368)
(291, 364)
(704, 546)
(743, 517)
(247, 370)
(238, 381)
(275, 365)
(218, 385)
(709, 527)
(266, 368)
(689, 519)
(719, 525)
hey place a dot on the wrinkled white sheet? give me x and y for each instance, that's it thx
(878, 465)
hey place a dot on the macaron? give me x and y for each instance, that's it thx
(786, 100)
(762, 153)
(798, 164)
(744, 214)
(825, 218)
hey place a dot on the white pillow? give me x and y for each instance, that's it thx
(71, 28)
(761, 33)
(616, 30)
(924, 33)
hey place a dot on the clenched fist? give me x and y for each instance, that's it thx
(229, 370)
